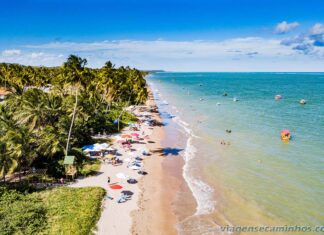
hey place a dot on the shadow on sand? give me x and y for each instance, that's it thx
(168, 151)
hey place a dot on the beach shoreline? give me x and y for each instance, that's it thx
(165, 198)
(155, 213)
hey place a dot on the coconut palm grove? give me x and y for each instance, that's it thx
(46, 114)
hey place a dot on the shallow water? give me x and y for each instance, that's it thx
(255, 179)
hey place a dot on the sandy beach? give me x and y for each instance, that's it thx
(149, 211)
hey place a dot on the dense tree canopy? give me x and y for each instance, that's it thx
(46, 105)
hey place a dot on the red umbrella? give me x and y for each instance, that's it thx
(135, 134)
(116, 186)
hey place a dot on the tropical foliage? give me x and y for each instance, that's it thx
(51, 111)
(57, 211)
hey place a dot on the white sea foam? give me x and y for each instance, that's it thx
(200, 190)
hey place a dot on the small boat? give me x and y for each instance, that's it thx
(285, 135)
(218, 103)
(302, 101)
(278, 97)
(235, 99)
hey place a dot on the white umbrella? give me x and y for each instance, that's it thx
(110, 149)
(104, 145)
(135, 167)
(121, 175)
(118, 137)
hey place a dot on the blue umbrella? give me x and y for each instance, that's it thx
(88, 147)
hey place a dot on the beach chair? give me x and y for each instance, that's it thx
(123, 198)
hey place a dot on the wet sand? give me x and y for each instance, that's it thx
(165, 198)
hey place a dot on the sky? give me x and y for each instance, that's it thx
(173, 35)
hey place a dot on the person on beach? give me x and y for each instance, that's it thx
(108, 180)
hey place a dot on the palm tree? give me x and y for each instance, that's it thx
(20, 145)
(73, 71)
(32, 110)
(6, 161)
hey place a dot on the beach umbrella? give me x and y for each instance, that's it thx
(121, 175)
(132, 181)
(104, 145)
(135, 134)
(126, 136)
(116, 186)
(110, 149)
(110, 156)
(134, 167)
(118, 137)
(87, 147)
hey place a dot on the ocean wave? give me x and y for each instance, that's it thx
(201, 191)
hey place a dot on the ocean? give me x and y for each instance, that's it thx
(247, 176)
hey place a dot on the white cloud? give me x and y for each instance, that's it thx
(285, 27)
(12, 52)
(317, 29)
(35, 55)
(310, 43)
(237, 54)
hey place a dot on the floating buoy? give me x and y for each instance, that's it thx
(285, 135)
(278, 97)
(302, 101)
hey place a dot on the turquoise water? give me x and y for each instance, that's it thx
(255, 178)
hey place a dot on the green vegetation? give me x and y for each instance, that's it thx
(56, 211)
(72, 210)
(89, 167)
(51, 112)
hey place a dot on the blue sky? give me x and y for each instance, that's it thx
(174, 35)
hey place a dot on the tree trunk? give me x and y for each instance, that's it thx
(72, 121)
(4, 176)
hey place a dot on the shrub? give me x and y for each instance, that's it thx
(20, 213)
